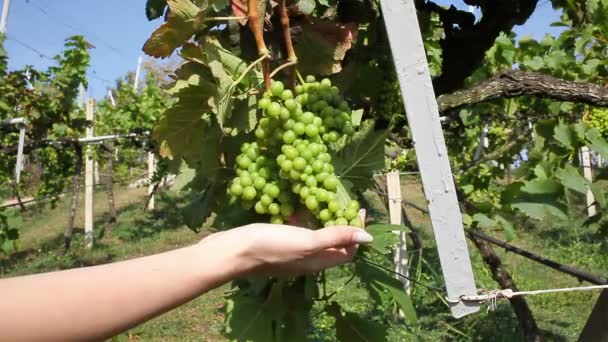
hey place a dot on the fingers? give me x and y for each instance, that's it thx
(331, 258)
(336, 237)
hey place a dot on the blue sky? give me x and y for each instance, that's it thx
(118, 29)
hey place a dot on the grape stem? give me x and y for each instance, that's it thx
(281, 67)
(248, 69)
(256, 29)
(225, 18)
(291, 55)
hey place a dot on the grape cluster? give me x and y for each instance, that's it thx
(288, 165)
(598, 118)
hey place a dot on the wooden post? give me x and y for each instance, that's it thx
(4, 19)
(595, 329)
(137, 73)
(393, 186)
(89, 178)
(151, 171)
(588, 173)
(431, 151)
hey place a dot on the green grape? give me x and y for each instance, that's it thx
(286, 95)
(299, 163)
(274, 209)
(325, 215)
(276, 88)
(260, 208)
(330, 183)
(333, 206)
(311, 203)
(276, 220)
(312, 130)
(330, 224)
(299, 128)
(291, 105)
(286, 165)
(341, 221)
(274, 110)
(289, 137)
(236, 189)
(311, 181)
(304, 192)
(356, 222)
(246, 180)
(295, 175)
(310, 79)
(266, 200)
(264, 103)
(259, 183)
(249, 193)
(322, 176)
(350, 214)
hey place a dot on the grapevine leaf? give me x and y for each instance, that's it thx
(244, 115)
(181, 129)
(354, 328)
(303, 7)
(572, 179)
(564, 134)
(361, 157)
(248, 318)
(385, 288)
(540, 210)
(484, 221)
(597, 143)
(507, 227)
(322, 45)
(184, 178)
(155, 8)
(385, 237)
(178, 28)
(542, 186)
(599, 194)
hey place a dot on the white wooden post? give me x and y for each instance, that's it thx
(151, 171)
(588, 173)
(483, 142)
(4, 19)
(89, 179)
(19, 164)
(393, 186)
(137, 73)
(423, 116)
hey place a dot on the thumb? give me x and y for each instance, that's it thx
(340, 236)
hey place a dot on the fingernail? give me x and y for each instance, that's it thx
(363, 237)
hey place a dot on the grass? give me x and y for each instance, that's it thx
(561, 316)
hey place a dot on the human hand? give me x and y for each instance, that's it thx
(282, 250)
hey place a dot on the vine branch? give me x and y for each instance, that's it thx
(291, 55)
(518, 83)
(256, 29)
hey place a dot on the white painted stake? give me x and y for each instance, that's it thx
(423, 117)
(19, 164)
(4, 20)
(393, 186)
(111, 96)
(588, 173)
(151, 171)
(89, 179)
(483, 142)
(137, 72)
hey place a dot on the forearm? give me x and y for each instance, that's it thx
(99, 302)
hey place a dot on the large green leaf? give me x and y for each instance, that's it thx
(322, 45)
(179, 27)
(351, 327)
(542, 186)
(571, 178)
(565, 135)
(182, 129)
(599, 193)
(385, 237)
(540, 210)
(597, 143)
(361, 157)
(385, 288)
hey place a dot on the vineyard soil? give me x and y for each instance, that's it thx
(561, 316)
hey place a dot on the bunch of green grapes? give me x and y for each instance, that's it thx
(390, 100)
(288, 166)
(598, 118)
